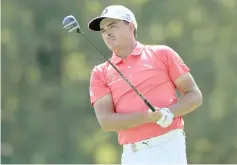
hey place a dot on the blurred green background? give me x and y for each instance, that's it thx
(46, 112)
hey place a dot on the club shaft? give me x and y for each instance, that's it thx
(129, 83)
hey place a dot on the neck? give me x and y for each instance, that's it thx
(125, 51)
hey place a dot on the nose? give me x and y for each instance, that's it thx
(108, 34)
(107, 31)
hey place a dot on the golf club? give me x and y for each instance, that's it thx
(71, 25)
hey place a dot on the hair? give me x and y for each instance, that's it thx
(135, 30)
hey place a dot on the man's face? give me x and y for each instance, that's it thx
(116, 33)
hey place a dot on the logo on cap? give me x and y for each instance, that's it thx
(127, 17)
(104, 12)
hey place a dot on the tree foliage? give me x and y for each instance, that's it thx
(46, 112)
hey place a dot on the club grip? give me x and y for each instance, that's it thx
(149, 105)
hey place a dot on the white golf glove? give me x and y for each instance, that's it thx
(167, 117)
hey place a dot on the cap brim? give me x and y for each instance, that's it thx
(94, 24)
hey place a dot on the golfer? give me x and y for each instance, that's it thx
(157, 71)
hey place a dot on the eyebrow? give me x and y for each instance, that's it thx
(108, 25)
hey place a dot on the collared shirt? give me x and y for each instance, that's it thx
(152, 69)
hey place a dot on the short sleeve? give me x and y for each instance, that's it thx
(98, 86)
(175, 65)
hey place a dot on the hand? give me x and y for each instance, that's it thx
(153, 117)
(167, 117)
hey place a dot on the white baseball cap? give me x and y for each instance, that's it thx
(115, 11)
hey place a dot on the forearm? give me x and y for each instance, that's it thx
(187, 103)
(116, 121)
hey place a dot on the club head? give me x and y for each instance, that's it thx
(71, 25)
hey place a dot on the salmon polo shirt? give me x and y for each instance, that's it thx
(152, 69)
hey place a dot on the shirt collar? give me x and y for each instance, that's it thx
(136, 51)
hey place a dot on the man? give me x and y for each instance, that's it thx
(157, 71)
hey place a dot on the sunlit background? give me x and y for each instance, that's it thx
(46, 112)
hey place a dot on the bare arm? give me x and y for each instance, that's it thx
(111, 121)
(191, 95)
